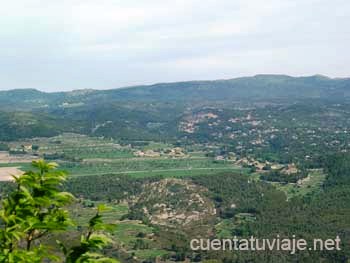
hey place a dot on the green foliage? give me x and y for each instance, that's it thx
(147, 112)
(277, 176)
(34, 210)
(324, 214)
(4, 147)
(291, 120)
(90, 242)
(16, 125)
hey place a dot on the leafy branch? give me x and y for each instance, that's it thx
(37, 208)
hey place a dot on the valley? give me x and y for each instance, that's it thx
(176, 161)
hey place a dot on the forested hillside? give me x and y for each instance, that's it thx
(260, 87)
(152, 112)
(258, 156)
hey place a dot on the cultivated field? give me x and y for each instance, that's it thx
(82, 155)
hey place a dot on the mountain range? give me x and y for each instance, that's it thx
(259, 87)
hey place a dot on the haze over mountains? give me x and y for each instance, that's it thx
(258, 87)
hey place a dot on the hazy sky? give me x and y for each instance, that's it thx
(74, 44)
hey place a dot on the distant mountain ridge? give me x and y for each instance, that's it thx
(258, 87)
(153, 112)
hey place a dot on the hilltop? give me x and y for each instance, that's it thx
(259, 87)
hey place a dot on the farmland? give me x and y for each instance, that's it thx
(82, 155)
(242, 180)
(172, 167)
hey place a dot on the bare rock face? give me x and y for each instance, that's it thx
(173, 202)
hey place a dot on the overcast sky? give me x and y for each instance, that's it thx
(64, 45)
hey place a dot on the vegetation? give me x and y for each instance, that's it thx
(257, 156)
(34, 210)
(4, 147)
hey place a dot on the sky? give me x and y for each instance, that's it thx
(55, 45)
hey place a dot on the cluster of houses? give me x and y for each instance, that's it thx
(172, 152)
(266, 165)
(189, 125)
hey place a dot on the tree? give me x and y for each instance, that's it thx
(35, 147)
(36, 209)
(4, 147)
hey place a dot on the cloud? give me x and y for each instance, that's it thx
(69, 44)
